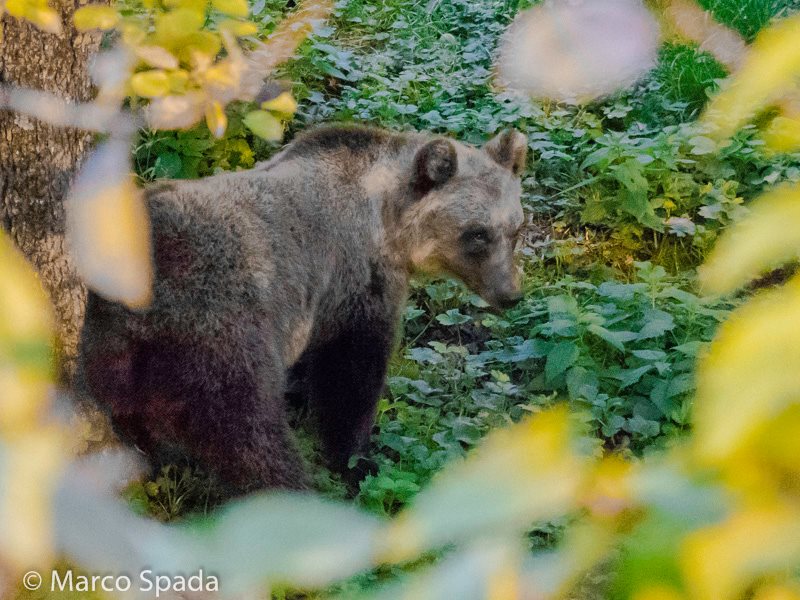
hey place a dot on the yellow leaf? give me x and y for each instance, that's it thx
(749, 374)
(16, 8)
(178, 81)
(132, 34)
(607, 491)
(25, 393)
(150, 84)
(156, 56)
(783, 134)
(204, 43)
(264, 125)
(95, 16)
(25, 343)
(239, 28)
(173, 26)
(32, 465)
(215, 119)
(199, 6)
(768, 70)
(25, 312)
(234, 8)
(38, 13)
(504, 584)
(221, 75)
(721, 561)
(765, 464)
(46, 19)
(108, 227)
(763, 240)
(778, 592)
(284, 104)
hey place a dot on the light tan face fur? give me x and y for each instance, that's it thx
(469, 227)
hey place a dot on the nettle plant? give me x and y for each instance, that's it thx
(624, 351)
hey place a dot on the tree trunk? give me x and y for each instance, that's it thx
(37, 161)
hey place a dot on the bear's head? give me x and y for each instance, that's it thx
(465, 214)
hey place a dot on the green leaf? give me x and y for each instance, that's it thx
(656, 323)
(582, 383)
(167, 165)
(465, 430)
(628, 377)
(642, 426)
(613, 425)
(649, 354)
(691, 349)
(629, 174)
(596, 157)
(616, 338)
(264, 125)
(620, 291)
(702, 145)
(425, 355)
(560, 358)
(519, 475)
(453, 317)
(680, 385)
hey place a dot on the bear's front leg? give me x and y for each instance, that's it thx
(344, 378)
(223, 406)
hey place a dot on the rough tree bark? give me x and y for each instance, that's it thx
(37, 161)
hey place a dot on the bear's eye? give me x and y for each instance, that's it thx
(476, 235)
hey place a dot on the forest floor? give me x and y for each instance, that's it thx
(624, 199)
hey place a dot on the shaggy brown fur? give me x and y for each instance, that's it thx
(300, 263)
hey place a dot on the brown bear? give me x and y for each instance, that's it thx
(300, 264)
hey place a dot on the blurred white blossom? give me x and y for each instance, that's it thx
(578, 50)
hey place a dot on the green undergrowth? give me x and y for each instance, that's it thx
(622, 351)
(625, 197)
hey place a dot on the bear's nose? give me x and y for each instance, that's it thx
(510, 300)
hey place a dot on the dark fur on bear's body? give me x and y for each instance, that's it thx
(300, 262)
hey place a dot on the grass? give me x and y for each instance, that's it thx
(748, 17)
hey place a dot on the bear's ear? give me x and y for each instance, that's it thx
(509, 149)
(434, 165)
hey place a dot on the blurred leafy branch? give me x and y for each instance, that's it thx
(714, 517)
(177, 63)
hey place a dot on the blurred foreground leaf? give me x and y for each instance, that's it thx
(520, 475)
(767, 73)
(31, 449)
(108, 227)
(749, 374)
(764, 240)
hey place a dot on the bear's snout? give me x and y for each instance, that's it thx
(509, 300)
